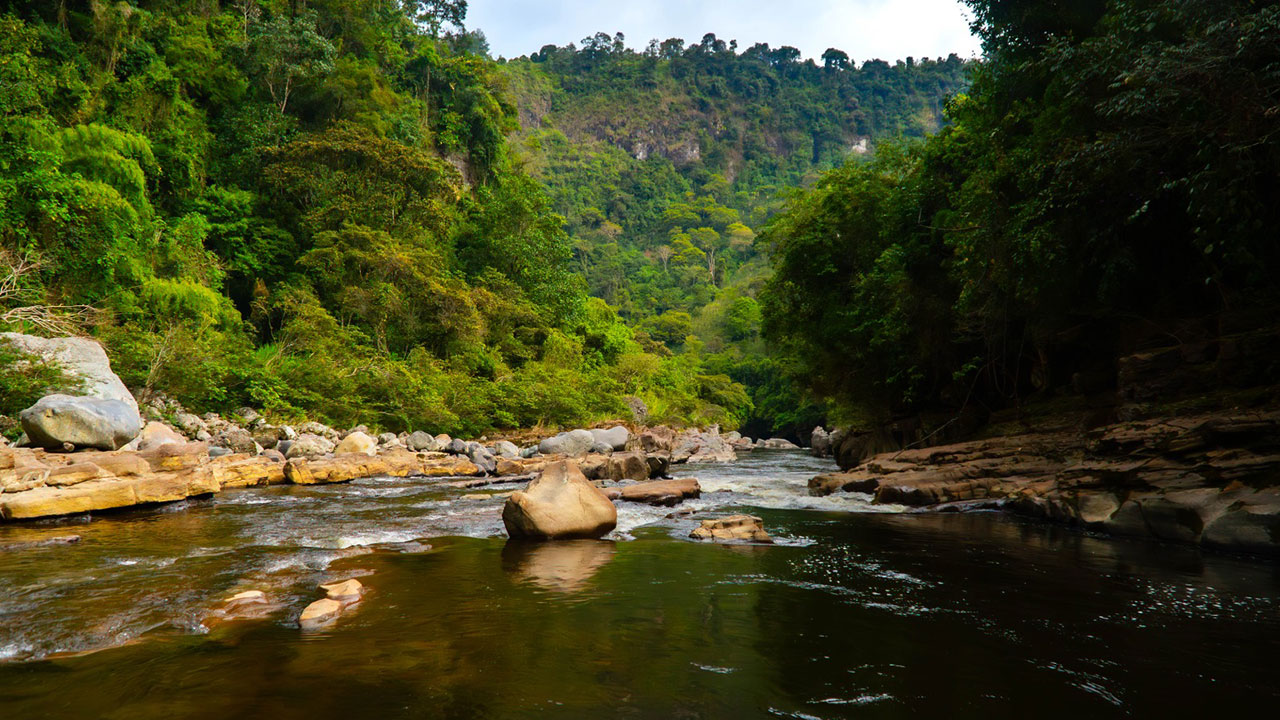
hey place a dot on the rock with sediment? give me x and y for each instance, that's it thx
(734, 528)
(561, 503)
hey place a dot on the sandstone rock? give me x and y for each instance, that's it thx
(732, 528)
(267, 437)
(853, 481)
(320, 613)
(561, 503)
(357, 442)
(421, 441)
(624, 466)
(615, 437)
(572, 443)
(156, 434)
(661, 492)
(85, 422)
(347, 591)
(660, 439)
(310, 446)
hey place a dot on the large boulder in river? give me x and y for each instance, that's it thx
(615, 437)
(85, 422)
(560, 503)
(571, 443)
(820, 442)
(357, 443)
(778, 444)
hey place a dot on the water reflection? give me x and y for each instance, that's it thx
(564, 566)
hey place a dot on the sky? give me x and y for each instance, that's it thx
(866, 29)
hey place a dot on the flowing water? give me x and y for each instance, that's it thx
(858, 611)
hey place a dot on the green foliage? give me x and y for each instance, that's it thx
(1112, 161)
(23, 382)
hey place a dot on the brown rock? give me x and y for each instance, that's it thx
(346, 592)
(660, 492)
(561, 503)
(732, 528)
(320, 613)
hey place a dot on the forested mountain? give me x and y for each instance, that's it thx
(666, 163)
(329, 208)
(1103, 202)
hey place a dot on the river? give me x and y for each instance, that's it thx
(857, 611)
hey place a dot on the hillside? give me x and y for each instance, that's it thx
(667, 163)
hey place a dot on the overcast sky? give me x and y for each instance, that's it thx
(866, 29)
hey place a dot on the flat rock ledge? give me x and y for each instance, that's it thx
(39, 484)
(1209, 480)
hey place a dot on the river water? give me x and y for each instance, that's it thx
(858, 611)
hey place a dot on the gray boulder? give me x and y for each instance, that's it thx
(615, 437)
(531, 451)
(309, 446)
(237, 440)
(83, 359)
(481, 456)
(506, 449)
(419, 441)
(573, 442)
(778, 444)
(601, 448)
(457, 447)
(85, 422)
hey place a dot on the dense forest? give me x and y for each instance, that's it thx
(346, 210)
(667, 163)
(1111, 175)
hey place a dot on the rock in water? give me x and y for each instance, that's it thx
(357, 443)
(85, 422)
(347, 591)
(778, 444)
(734, 527)
(320, 613)
(572, 443)
(820, 442)
(615, 437)
(561, 503)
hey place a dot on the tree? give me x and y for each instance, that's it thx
(285, 50)
(834, 59)
(435, 14)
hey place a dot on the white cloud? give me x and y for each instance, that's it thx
(885, 29)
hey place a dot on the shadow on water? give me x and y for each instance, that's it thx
(854, 615)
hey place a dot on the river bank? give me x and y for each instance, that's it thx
(1210, 479)
(857, 610)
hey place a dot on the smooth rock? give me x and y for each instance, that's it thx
(778, 444)
(357, 443)
(85, 422)
(820, 442)
(615, 437)
(419, 441)
(347, 591)
(506, 449)
(319, 613)
(661, 492)
(83, 359)
(561, 503)
(572, 443)
(156, 434)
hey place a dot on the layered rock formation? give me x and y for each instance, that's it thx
(1212, 480)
